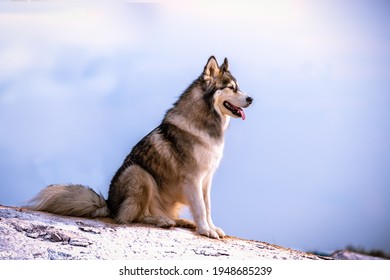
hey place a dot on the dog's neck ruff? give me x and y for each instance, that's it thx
(203, 134)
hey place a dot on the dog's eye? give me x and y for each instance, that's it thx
(231, 87)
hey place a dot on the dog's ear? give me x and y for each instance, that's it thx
(225, 65)
(211, 70)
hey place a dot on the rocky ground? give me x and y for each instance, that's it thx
(26, 234)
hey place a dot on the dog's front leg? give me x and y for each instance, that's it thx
(195, 198)
(207, 202)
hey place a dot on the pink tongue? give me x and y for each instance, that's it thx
(242, 114)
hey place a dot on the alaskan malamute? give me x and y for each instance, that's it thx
(170, 167)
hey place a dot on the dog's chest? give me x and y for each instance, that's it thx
(208, 156)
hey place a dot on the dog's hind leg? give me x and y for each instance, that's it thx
(136, 211)
(134, 192)
(129, 211)
(159, 214)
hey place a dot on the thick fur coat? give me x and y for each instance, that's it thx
(170, 167)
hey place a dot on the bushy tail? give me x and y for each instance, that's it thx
(70, 200)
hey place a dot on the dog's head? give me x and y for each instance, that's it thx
(228, 98)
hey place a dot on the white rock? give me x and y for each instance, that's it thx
(26, 234)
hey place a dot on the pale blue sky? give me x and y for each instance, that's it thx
(81, 83)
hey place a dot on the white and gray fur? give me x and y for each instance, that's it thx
(170, 167)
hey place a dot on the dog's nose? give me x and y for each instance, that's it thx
(249, 100)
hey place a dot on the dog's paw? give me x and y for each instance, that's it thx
(163, 222)
(220, 232)
(166, 223)
(208, 233)
(185, 223)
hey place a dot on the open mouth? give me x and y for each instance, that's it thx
(237, 111)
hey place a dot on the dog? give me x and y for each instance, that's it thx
(169, 168)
